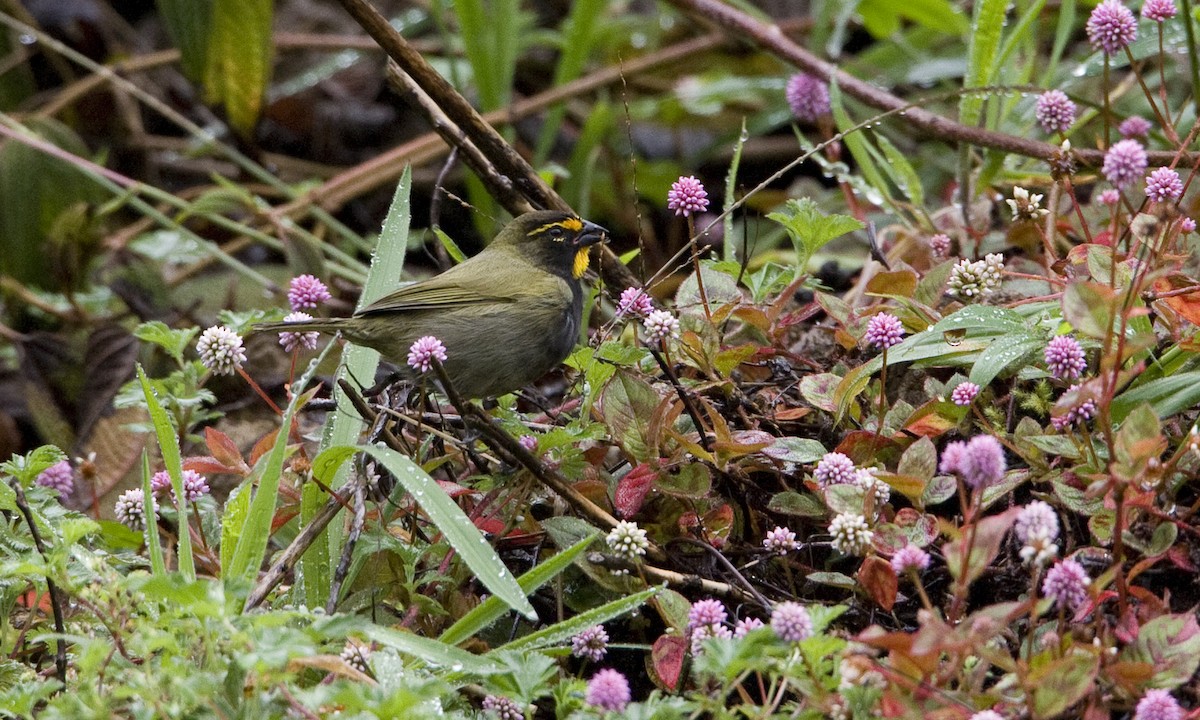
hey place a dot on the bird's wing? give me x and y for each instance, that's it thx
(451, 289)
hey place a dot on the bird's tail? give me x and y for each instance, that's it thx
(325, 325)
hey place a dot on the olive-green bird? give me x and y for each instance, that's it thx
(506, 316)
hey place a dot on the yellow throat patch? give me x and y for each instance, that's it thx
(583, 258)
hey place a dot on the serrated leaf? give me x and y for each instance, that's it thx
(810, 229)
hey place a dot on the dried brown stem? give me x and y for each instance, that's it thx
(506, 159)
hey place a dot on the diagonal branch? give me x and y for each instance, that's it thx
(503, 156)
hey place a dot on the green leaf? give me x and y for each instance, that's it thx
(580, 30)
(254, 534)
(919, 460)
(342, 427)
(174, 342)
(451, 247)
(797, 504)
(8, 498)
(433, 652)
(800, 451)
(1138, 440)
(233, 519)
(238, 59)
(987, 27)
(1060, 683)
(1171, 643)
(157, 566)
(25, 468)
(1005, 353)
(168, 443)
(188, 23)
(810, 229)
(560, 633)
(857, 143)
(1167, 396)
(1090, 308)
(627, 404)
(493, 608)
(902, 171)
(37, 189)
(447, 516)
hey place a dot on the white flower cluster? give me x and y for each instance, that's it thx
(980, 277)
(1037, 529)
(851, 534)
(865, 479)
(628, 541)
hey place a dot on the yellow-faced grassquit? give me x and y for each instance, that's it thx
(506, 316)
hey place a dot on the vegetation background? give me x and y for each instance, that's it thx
(886, 407)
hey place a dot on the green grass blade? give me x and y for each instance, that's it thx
(731, 194)
(238, 65)
(157, 566)
(560, 633)
(857, 143)
(442, 511)
(433, 652)
(579, 32)
(493, 608)
(255, 532)
(987, 27)
(168, 444)
(341, 427)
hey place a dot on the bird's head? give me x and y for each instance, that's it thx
(560, 240)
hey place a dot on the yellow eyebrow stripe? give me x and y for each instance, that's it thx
(572, 224)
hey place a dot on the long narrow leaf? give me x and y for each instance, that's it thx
(434, 652)
(490, 610)
(579, 32)
(238, 64)
(157, 566)
(987, 27)
(448, 517)
(561, 632)
(255, 532)
(342, 428)
(168, 444)
(856, 142)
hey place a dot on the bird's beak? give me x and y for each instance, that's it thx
(591, 234)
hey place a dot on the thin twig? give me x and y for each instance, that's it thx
(772, 40)
(56, 603)
(507, 160)
(287, 561)
(343, 567)
(682, 392)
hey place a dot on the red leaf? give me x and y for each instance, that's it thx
(453, 489)
(666, 661)
(1188, 304)
(263, 446)
(878, 579)
(209, 465)
(632, 489)
(222, 448)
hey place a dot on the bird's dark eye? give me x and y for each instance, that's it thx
(556, 233)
